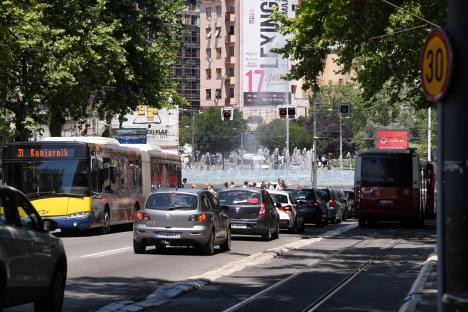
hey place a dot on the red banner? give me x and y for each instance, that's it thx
(391, 139)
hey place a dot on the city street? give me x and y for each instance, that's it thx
(103, 269)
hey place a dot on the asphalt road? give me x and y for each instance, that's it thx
(103, 269)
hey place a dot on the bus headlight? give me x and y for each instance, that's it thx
(82, 214)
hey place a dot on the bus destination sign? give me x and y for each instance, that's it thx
(43, 152)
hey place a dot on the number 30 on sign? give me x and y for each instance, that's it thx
(436, 65)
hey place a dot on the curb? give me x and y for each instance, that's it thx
(167, 292)
(415, 294)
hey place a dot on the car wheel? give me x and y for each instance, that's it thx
(267, 235)
(139, 247)
(106, 222)
(208, 248)
(226, 246)
(53, 301)
(276, 234)
(294, 229)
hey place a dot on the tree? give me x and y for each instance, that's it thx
(273, 135)
(214, 135)
(72, 57)
(381, 42)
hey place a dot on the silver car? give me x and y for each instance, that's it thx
(33, 264)
(183, 217)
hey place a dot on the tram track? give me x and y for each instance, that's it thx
(333, 290)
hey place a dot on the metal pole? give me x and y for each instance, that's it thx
(287, 140)
(193, 136)
(341, 141)
(429, 134)
(453, 165)
(314, 142)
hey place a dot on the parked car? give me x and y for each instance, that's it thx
(341, 196)
(33, 263)
(182, 217)
(350, 196)
(315, 210)
(334, 206)
(251, 211)
(291, 216)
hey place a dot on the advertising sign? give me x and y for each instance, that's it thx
(262, 69)
(160, 125)
(391, 139)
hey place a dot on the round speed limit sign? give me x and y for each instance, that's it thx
(436, 65)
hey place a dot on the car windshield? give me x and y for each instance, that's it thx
(239, 197)
(279, 198)
(386, 170)
(325, 194)
(172, 201)
(44, 178)
(305, 195)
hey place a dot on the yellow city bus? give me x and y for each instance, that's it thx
(88, 182)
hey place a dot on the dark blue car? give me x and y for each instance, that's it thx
(312, 205)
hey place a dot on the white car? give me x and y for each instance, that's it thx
(291, 217)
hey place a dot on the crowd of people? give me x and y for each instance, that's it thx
(279, 186)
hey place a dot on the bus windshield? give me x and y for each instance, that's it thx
(46, 178)
(387, 170)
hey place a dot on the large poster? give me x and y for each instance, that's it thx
(160, 125)
(261, 69)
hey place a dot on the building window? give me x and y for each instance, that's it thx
(218, 31)
(218, 53)
(208, 73)
(208, 94)
(218, 73)
(218, 10)
(231, 71)
(208, 54)
(231, 51)
(232, 9)
(208, 33)
(208, 12)
(231, 30)
(231, 93)
(294, 7)
(293, 89)
(194, 20)
(218, 93)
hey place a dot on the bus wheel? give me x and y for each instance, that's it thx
(106, 222)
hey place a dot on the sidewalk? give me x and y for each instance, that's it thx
(423, 294)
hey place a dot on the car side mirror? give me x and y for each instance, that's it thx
(278, 205)
(49, 225)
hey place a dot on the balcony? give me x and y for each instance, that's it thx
(231, 80)
(230, 60)
(230, 39)
(230, 17)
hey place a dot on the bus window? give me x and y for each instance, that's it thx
(382, 170)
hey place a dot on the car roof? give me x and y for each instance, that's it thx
(278, 192)
(250, 189)
(179, 190)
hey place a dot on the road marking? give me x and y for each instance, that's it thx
(107, 252)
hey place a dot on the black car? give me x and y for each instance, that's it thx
(251, 211)
(315, 210)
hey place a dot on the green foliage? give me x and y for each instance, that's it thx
(76, 56)
(273, 135)
(384, 41)
(211, 133)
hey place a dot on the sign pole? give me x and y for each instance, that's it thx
(453, 170)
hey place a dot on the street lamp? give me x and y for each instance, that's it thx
(344, 109)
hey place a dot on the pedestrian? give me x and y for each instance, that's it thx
(232, 185)
(254, 184)
(246, 184)
(194, 186)
(263, 185)
(226, 184)
(280, 186)
(184, 181)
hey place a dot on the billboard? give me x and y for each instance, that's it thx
(391, 139)
(160, 125)
(261, 69)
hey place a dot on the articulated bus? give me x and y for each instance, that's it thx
(393, 185)
(88, 182)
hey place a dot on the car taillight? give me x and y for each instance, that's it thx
(262, 211)
(313, 204)
(331, 204)
(199, 217)
(142, 216)
(287, 208)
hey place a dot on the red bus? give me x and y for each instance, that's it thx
(393, 185)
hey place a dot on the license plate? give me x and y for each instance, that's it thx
(239, 226)
(167, 235)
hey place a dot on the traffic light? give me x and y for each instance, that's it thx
(227, 113)
(345, 109)
(286, 110)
